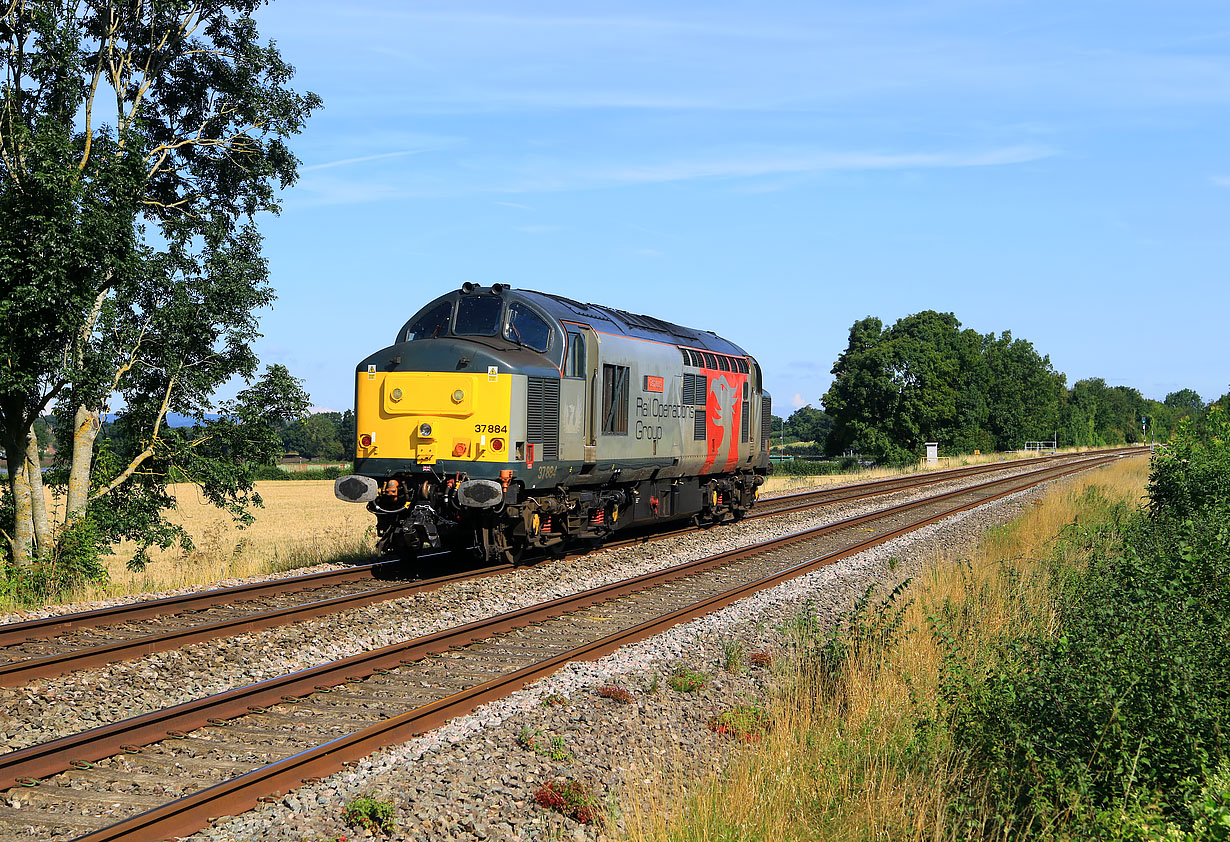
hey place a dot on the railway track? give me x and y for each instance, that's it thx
(54, 646)
(169, 772)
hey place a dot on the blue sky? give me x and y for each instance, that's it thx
(770, 171)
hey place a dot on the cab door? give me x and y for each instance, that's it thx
(578, 390)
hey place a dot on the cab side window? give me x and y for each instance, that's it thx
(525, 327)
(575, 366)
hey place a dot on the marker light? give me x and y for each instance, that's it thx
(425, 430)
(396, 394)
(459, 449)
(458, 396)
(365, 440)
(497, 444)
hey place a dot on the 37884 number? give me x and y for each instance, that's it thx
(491, 428)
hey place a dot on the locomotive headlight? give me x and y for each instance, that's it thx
(425, 430)
(396, 395)
(458, 396)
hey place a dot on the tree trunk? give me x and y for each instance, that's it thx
(22, 538)
(38, 500)
(85, 431)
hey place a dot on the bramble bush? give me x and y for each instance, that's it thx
(1117, 725)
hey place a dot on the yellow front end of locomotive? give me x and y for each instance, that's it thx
(429, 416)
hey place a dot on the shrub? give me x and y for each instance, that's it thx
(687, 680)
(553, 700)
(554, 749)
(744, 722)
(617, 694)
(371, 814)
(570, 798)
(760, 659)
(1121, 712)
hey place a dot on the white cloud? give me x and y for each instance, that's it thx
(516, 205)
(1222, 180)
(798, 402)
(361, 159)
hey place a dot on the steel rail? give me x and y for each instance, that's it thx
(241, 793)
(906, 482)
(104, 741)
(20, 632)
(18, 672)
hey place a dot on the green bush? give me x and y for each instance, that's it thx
(370, 814)
(1127, 707)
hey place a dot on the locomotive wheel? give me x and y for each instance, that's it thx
(499, 546)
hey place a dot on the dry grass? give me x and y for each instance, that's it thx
(847, 760)
(301, 524)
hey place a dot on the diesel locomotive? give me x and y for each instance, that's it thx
(507, 420)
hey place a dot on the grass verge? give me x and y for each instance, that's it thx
(860, 746)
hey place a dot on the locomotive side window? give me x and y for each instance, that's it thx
(576, 355)
(527, 328)
(478, 315)
(615, 400)
(431, 324)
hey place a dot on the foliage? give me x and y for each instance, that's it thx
(733, 655)
(743, 722)
(322, 435)
(1125, 708)
(570, 798)
(137, 145)
(859, 636)
(686, 680)
(809, 424)
(370, 814)
(554, 749)
(616, 694)
(924, 379)
(274, 472)
(761, 659)
(1193, 473)
(553, 700)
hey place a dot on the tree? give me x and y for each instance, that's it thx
(318, 435)
(1184, 399)
(138, 142)
(809, 424)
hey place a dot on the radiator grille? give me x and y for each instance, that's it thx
(766, 420)
(542, 416)
(696, 393)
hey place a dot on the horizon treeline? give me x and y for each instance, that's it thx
(924, 378)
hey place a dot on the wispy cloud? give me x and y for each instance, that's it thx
(549, 174)
(1222, 180)
(649, 252)
(775, 163)
(361, 159)
(537, 229)
(516, 205)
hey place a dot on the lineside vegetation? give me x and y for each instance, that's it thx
(1066, 681)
